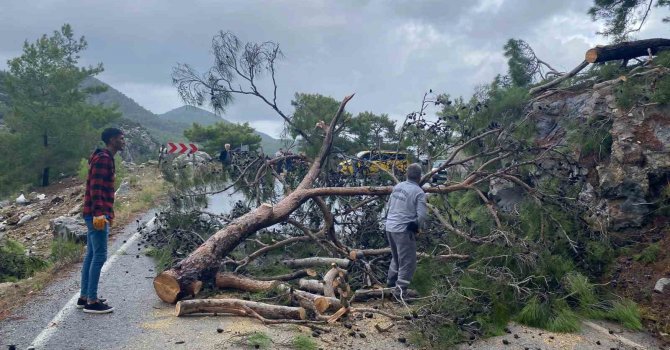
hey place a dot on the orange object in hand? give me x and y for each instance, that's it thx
(99, 222)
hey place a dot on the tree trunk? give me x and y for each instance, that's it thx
(236, 306)
(361, 253)
(233, 281)
(45, 170)
(316, 261)
(626, 50)
(177, 282)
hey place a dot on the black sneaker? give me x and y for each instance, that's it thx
(81, 302)
(98, 308)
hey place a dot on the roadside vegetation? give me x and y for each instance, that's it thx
(30, 274)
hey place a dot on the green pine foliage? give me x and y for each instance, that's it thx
(303, 342)
(214, 137)
(48, 121)
(258, 340)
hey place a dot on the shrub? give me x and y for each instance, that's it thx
(15, 265)
(65, 251)
(662, 93)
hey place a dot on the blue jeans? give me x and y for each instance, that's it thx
(96, 255)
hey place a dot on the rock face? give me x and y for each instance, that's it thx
(621, 188)
(67, 227)
(140, 145)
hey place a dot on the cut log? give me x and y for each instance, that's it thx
(168, 289)
(332, 280)
(236, 306)
(316, 261)
(312, 286)
(365, 294)
(233, 281)
(626, 50)
(290, 276)
(317, 303)
(361, 253)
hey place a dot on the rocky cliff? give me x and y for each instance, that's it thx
(620, 152)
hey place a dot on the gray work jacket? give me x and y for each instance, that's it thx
(407, 204)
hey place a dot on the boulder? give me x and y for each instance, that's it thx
(68, 227)
(198, 157)
(123, 189)
(661, 284)
(27, 217)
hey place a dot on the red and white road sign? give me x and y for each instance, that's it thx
(181, 148)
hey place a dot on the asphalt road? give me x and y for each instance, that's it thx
(142, 321)
(51, 320)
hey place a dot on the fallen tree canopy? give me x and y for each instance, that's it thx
(508, 236)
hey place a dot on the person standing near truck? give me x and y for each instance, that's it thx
(407, 210)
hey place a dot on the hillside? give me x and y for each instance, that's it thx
(168, 126)
(186, 115)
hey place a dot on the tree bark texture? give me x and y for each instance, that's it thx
(237, 306)
(626, 50)
(234, 281)
(174, 284)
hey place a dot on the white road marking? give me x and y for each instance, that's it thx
(69, 308)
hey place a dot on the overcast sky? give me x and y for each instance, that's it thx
(387, 52)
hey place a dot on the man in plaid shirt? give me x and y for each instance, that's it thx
(98, 215)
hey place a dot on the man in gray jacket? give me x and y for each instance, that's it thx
(407, 210)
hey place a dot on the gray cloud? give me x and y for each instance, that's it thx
(389, 53)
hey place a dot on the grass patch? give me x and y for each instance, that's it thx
(626, 313)
(303, 342)
(66, 251)
(649, 254)
(258, 340)
(151, 193)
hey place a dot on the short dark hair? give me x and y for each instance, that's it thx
(108, 133)
(414, 172)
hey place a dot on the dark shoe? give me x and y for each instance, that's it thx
(81, 302)
(98, 308)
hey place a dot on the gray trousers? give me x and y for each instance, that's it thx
(403, 261)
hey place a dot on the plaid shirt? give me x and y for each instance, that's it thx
(99, 196)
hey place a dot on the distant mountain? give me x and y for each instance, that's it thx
(168, 126)
(190, 114)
